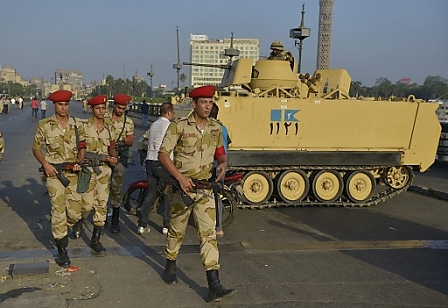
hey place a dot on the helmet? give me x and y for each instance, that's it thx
(277, 45)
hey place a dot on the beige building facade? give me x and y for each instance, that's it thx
(206, 51)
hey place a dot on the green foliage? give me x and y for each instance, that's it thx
(433, 87)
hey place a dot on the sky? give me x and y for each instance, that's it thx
(371, 39)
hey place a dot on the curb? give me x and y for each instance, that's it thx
(429, 192)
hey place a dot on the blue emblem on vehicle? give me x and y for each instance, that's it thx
(290, 115)
(276, 115)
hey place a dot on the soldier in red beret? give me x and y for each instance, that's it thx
(123, 128)
(198, 142)
(63, 139)
(100, 140)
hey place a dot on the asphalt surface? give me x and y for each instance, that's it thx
(394, 254)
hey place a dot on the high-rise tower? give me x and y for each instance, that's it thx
(324, 40)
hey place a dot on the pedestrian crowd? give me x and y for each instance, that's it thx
(84, 161)
(8, 102)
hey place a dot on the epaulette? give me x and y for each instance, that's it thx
(180, 119)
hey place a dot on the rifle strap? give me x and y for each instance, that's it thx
(76, 135)
(122, 129)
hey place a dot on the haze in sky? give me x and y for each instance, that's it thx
(372, 39)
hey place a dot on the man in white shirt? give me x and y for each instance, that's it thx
(43, 107)
(155, 170)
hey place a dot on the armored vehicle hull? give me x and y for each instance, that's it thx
(303, 141)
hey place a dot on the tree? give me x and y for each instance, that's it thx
(182, 79)
(384, 87)
(355, 88)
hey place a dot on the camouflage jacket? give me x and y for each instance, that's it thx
(98, 142)
(118, 126)
(60, 145)
(193, 151)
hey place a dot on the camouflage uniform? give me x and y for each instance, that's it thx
(193, 157)
(116, 183)
(284, 55)
(98, 192)
(61, 147)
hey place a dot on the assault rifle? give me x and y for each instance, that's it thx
(124, 153)
(95, 160)
(92, 160)
(63, 167)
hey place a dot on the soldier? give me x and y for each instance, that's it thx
(279, 53)
(195, 141)
(63, 138)
(100, 140)
(124, 132)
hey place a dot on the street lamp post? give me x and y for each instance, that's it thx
(300, 33)
(178, 65)
(151, 74)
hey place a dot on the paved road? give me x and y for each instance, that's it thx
(394, 254)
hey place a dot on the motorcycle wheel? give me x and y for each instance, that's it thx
(133, 199)
(229, 207)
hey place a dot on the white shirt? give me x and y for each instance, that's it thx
(43, 105)
(155, 138)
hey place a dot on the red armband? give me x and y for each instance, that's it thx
(83, 144)
(219, 152)
(112, 144)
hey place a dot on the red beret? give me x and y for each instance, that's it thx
(205, 91)
(60, 96)
(100, 99)
(122, 99)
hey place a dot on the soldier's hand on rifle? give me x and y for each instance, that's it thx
(186, 183)
(113, 161)
(77, 167)
(49, 169)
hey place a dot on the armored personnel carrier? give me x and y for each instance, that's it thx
(302, 140)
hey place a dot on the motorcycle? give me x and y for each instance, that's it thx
(229, 194)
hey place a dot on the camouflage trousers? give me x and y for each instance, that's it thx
(96, 196)
(65, 204)
(204, 215)
(116, 184)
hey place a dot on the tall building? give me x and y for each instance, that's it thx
(205, 51)
(64, 78)
(324, 37)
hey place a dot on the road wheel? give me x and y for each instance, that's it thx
(257, 187)
(397, 177)
(359, 186)
(327, 185)
(293, 185)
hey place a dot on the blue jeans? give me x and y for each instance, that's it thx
(145, 120)
(155, 172)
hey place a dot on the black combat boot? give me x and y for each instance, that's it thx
(216, 291)
(77, 228)
(115, 228)
(170, 276)
(95, 240)
(62, 259)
